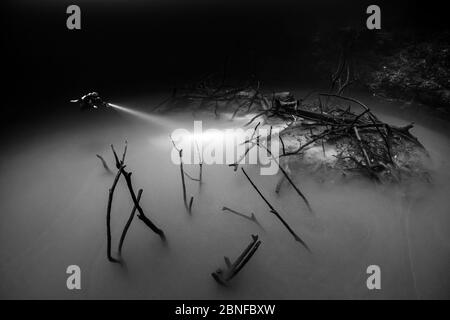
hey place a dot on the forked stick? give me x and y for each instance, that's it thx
(141, 214)
(127, 176)
(183, 183)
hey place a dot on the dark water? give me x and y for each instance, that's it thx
(53, 207)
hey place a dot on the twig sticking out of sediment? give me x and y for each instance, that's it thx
(141, 215)
(282, 178)
(108, 215)
(190, 204)
(183, 183)
(191, 177)
(200, 162)
(124, 151)
(180, 152)
(275, 212)
(199, 179)
(251, 218)
(127, 175)
(105, 165)
(282, 145)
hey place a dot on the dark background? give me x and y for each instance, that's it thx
(140, 46)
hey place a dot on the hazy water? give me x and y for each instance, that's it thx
(53, 207)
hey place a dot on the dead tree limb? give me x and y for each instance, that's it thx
(351, 100)
(105, 165)
(275, 212)
(236, 110)
(363, 150)
(190, 177)
(368, 165)
(282, 178)
(385, 137)
(243, 259)
(199, 179)
(282, 144)
(248, 147)
(200, 162)
(124, 151)
(253, 134)
(222, 276)
(127, 225)
(288, 178)
(183, 183)
(180, 153)
(255, 117)
(108, 215)
(190, 204)
(141, 214)
(251, 218)
(127, 176)
(332, 125)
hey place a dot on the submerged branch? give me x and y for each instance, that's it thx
(127, 225)
(108, 215)
(105, 165)
(275, 212)
(251, 218)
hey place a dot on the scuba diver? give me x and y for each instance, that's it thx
(92, 100)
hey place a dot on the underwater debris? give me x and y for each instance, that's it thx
(105, 165)
(242, 215)
(183, 183)
(120, 165)
(222, 276)
(349, 141)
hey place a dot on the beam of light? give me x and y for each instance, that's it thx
(143, 115)
(215, 136)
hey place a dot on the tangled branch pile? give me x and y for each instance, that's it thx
(351, 137)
